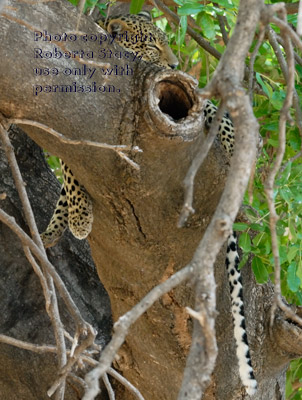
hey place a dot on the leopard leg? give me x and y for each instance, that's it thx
(80, 216)
(58, 222)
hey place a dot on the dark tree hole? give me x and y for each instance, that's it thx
(173, 100)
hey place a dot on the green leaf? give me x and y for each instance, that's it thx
(282, 251)
(258, 239)
(292, 230)
(286, 173)
(136, 6)
(190, 8)
(277, 99)
(240, 226)
(183, 29)
(291, 254)
(225, 3)
(257, 227)
(292, 280)
(266, 88)
(286, 194)
(259, 270)
(208, 26)
(271, 126)
(299, 270)
(274, 143)
(268, 246)
(245, 242)
(243, 261)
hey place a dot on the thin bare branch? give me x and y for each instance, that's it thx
(252, 62)
(187, 208)
(284, 26)
(299, 19)
(126, 383)
(27, 241)
(108, 387)
(198, 38)
(274, 39)
(27, 346)
(59, 44)
(122, 326)
(297, 57)
(289, 74)
(63, 139)
(41, 277)
(29, 215)
(47, 283)
(73, 359)
(222, 21)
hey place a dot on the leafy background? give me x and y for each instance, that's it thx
(255, 238)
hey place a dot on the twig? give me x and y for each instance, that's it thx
(288, 72)
(108, 387)
(187, 208)
(47, 283)
(78, 380)
(73, 359)
(29, 215)
(27, 346)
(63, 139)
(203, 259)
(285, 27)
(59, 44)
(273, 39)
(252, 62)
(59, 332)
(297, 57)
(198, 38)
(299, 19)
(126, 383)
(124, 323)
(80, 8)
(26, 240)
(59, 335)
(41, 277)
(222, 23)
(251, 184)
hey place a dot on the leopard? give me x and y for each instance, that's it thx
(74, 207)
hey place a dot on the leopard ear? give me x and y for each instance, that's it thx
(146, 15)
(116, 26)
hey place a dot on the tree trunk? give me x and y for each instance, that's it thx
(135, 242)
(25, 375)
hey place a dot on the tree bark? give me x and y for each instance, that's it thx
(135, 243)
(25, 375)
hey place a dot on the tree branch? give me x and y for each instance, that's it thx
(289, 74)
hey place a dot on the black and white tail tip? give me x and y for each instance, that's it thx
(243, 353)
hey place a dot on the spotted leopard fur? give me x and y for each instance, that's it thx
(226, 136)
(74, 205)
(73, 209)
(242, 346)
(155, 49)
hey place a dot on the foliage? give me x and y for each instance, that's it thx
(55, 166)
(255, 236)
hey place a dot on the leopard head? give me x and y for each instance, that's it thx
(138, 34)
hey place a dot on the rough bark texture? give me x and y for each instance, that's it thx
(25, 375)
(134, 242)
